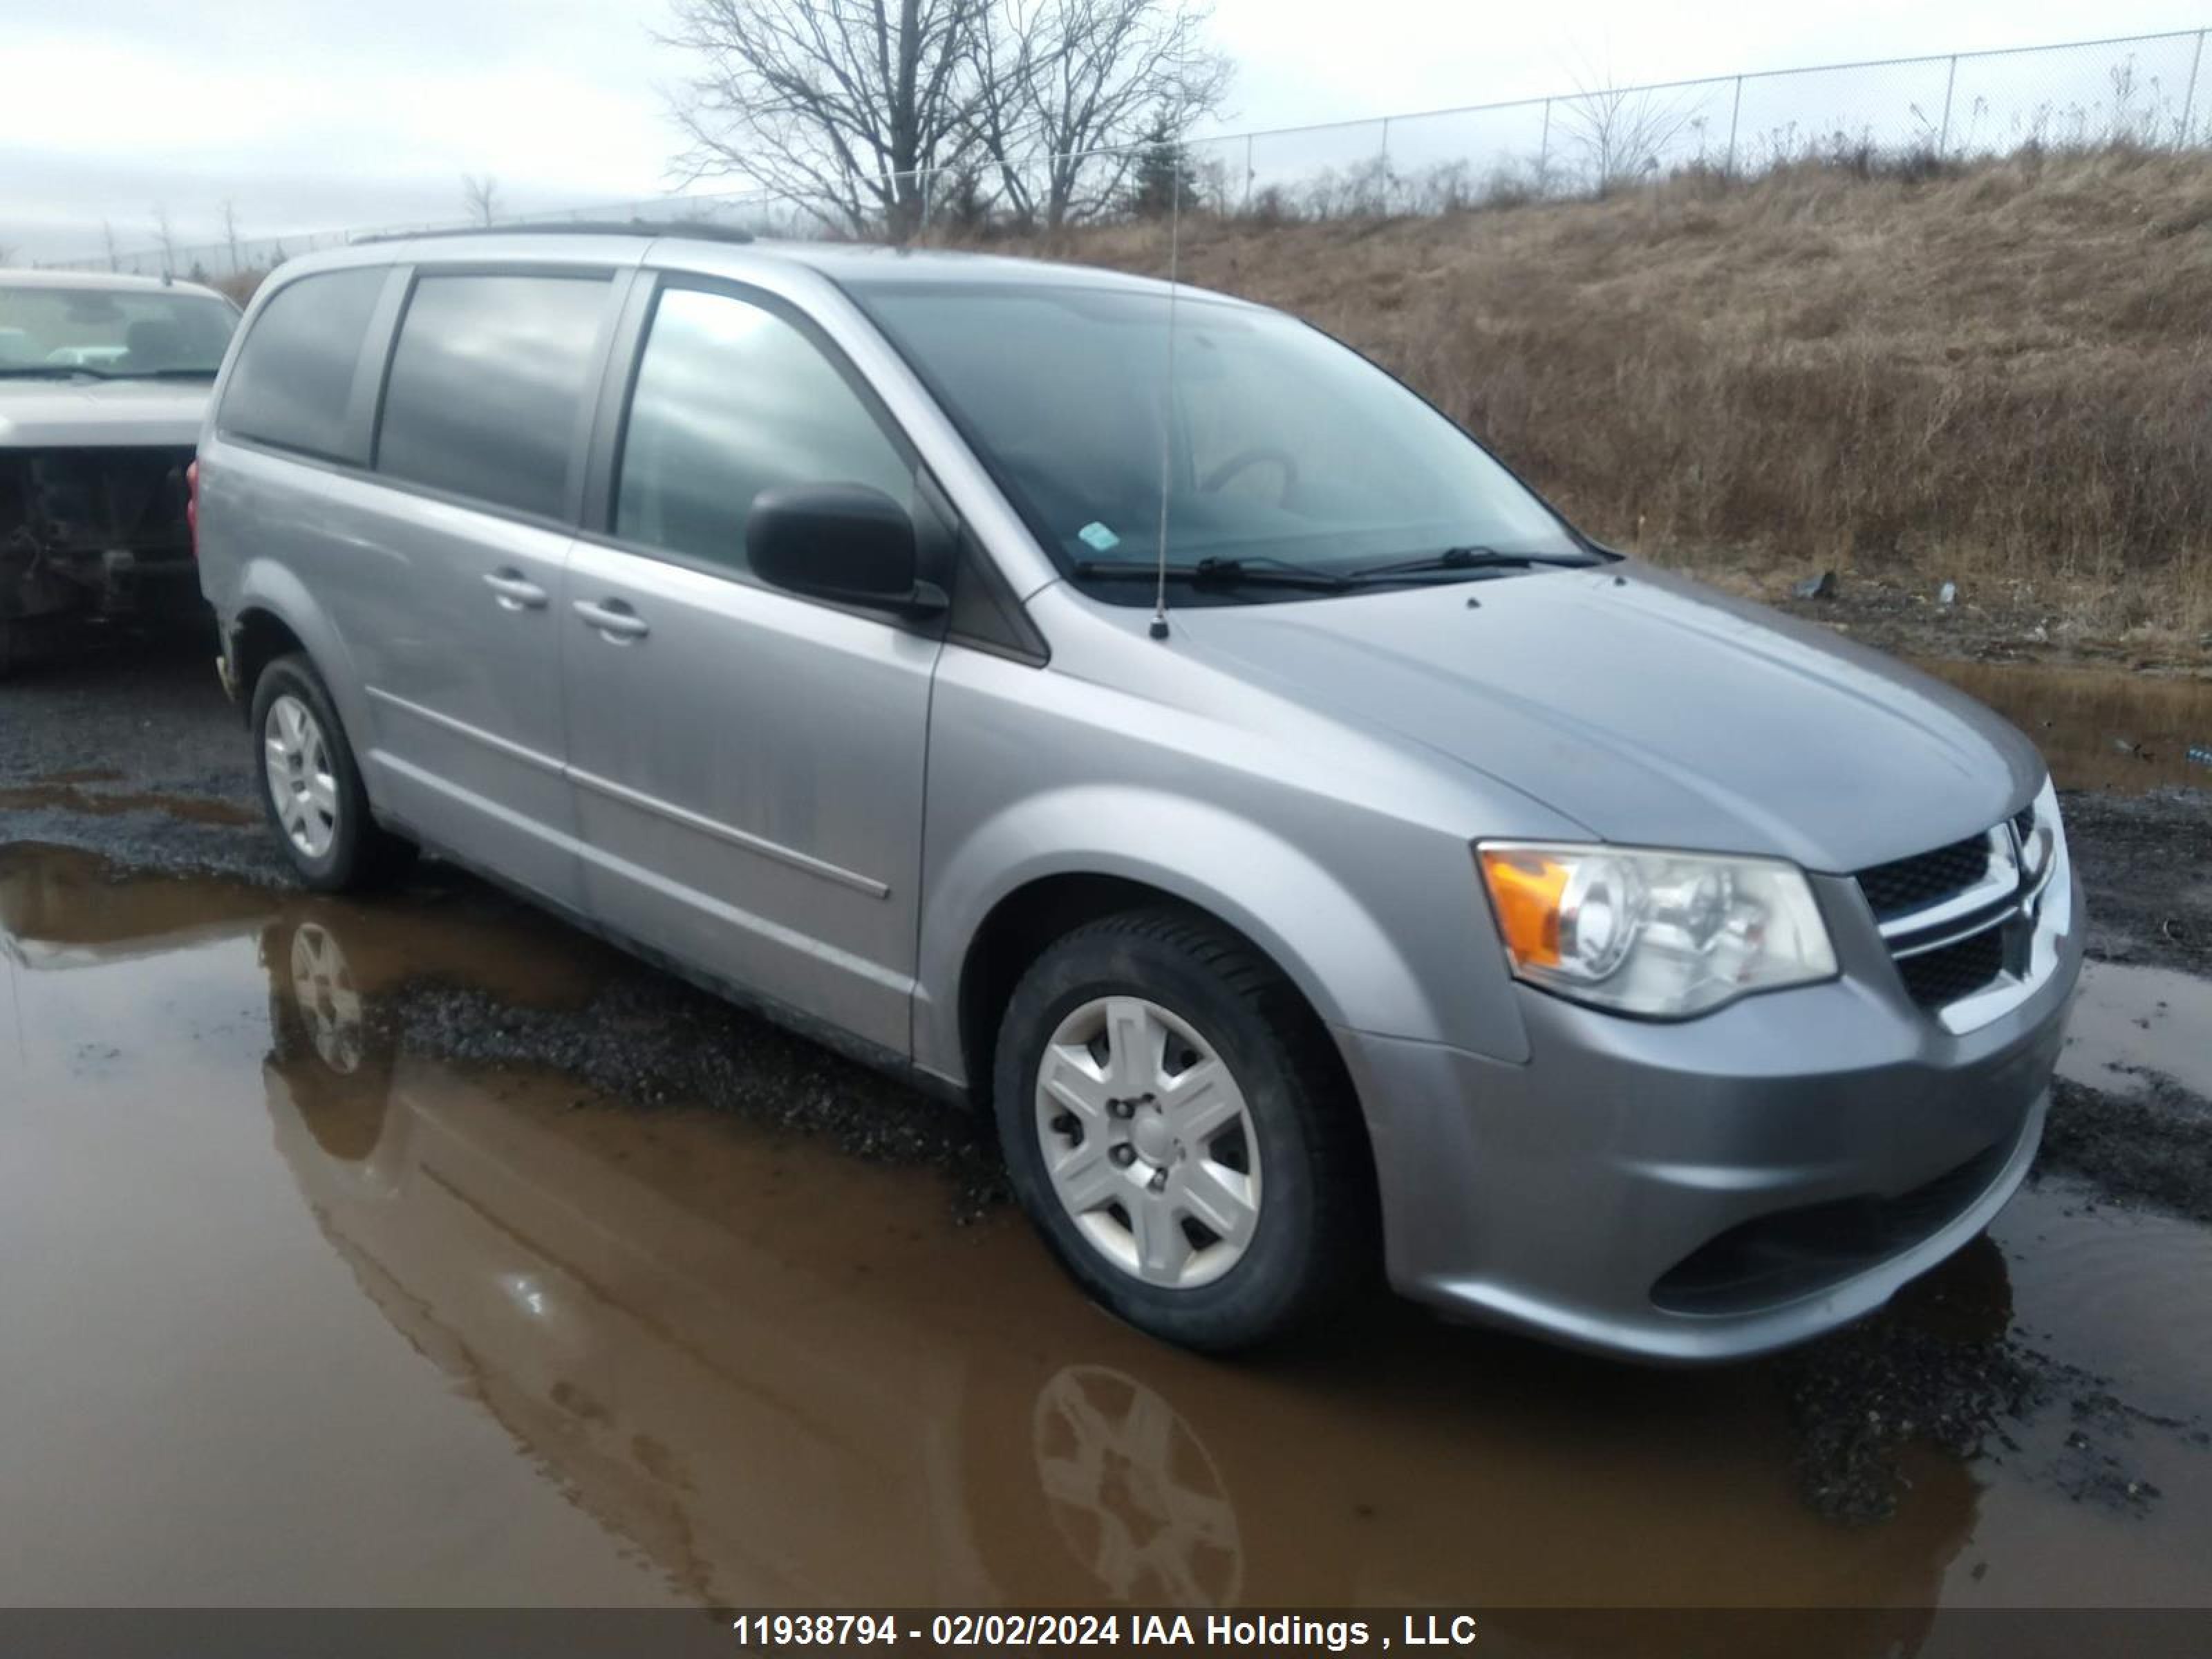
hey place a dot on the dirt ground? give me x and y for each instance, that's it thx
(1984, 620)
(2012, 1384)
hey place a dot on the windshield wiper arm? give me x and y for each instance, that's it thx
(1470, 558)
(48, 372)
(1226, 573)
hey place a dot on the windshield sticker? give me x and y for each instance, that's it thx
(1100, 539)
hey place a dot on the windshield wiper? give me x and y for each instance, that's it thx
(1470, 558)
(1224, 572)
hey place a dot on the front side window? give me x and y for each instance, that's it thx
(731, 400)
(1263, 440)
(487, 384)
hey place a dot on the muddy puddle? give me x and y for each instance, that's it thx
(2132, 1023)
(298, 1313)
(2100, 728)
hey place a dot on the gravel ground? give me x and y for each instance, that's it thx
(652, 1042)
(138, 727)
(2145, 864)
(2152, 1149)
(104, 754)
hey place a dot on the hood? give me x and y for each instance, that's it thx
(1650, 710)
(101, 414)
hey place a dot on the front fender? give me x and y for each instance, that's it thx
(1315, 929)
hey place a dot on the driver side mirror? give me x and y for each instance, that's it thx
(843, 543)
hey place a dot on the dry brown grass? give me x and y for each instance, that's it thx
(1999, 376)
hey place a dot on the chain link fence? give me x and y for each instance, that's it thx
(2144, 91)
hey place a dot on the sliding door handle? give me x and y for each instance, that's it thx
(614, 620)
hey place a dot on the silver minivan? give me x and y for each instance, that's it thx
(1131, 710)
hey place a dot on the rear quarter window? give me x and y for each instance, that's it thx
(292, 387)
(488, 383)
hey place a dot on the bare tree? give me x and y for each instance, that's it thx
(107, 236)
(167, 239)
(1621, 132)
(230, 233)
(843, 106)
(481, 197)
(1069, 92)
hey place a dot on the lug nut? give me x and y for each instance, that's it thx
(1123, 1155)
(1120, 1108)
(1159, 1182)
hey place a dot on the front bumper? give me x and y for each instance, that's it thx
(1717, 1188)
(40, 585)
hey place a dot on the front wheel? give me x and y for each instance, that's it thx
(1176, 1123)
(311, 787)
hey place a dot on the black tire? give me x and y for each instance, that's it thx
(1314, 1239)
(361, 853)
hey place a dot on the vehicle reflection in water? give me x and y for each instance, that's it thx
(784, 1375)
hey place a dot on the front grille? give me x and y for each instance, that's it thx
(1938, 978)
(80, 501)
(1904, 886)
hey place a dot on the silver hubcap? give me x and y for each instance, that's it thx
(323, 988)
(299, 779)
(1149, 1143)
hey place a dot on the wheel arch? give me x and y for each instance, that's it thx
(274, 615)
(258, 638)
(981, 930)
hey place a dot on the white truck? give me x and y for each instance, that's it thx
(103, 380)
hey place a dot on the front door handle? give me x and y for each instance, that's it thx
(513, 591)
(615, 620)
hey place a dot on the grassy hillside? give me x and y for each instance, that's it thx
(2001, 375)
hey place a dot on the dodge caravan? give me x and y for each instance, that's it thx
(1128, 709)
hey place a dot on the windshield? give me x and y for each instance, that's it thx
(1280, 447)
(117, 333)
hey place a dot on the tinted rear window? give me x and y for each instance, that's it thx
(294, 378)
(488, 380)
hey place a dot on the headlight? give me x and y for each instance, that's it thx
(2042, 837)
(1662, 934)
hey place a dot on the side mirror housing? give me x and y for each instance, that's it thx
(844, 543)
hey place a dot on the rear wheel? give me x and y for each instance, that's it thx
(1176, 1123)
(311, 787)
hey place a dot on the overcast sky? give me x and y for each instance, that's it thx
(309, 114)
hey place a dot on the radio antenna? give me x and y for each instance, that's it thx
(1159, 629)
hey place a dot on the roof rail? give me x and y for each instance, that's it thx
(698, 228)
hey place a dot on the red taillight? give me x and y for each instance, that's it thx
(193, 505)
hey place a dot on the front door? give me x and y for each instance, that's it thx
(747, 765)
